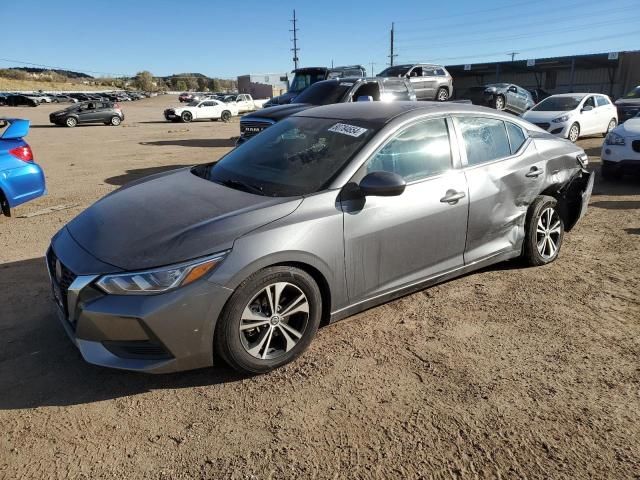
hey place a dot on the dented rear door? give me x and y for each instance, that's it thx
(501, 185)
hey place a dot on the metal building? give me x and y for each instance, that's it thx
(263, 85)
(612, 73)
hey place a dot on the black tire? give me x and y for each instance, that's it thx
(225, 116)
(229, 341)
(71, 122)
(115, 121)
(574, 132)
(442, 95)
(610, 126)
(538, 211)
(499, 103)
(186, 117)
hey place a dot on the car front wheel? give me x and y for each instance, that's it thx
(544, 232)
(574, 133)
(269, 320)
(115, 121)
(442, 95)
(71, 122)
(612, 124)
(499, 102)
(225, 116)
(186, 117)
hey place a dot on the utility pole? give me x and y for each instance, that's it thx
(372, 64)
(513, 55)
(295, 48)
(391, 54)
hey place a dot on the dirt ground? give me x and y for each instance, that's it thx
(511, 372)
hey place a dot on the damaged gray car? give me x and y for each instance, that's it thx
(329, 212)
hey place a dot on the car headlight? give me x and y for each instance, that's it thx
(614, 139)
(583, 159)
(159, 280)
(563, 118)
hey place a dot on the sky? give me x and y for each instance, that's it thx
(227, 39)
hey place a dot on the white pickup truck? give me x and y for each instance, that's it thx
(207, 109)
(245, 102)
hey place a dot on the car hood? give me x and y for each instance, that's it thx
(278, 112)
(630, 128)
(283, 99)
(534, 116)
(622, 102)
(169, 218)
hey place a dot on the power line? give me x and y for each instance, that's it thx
(295, 48)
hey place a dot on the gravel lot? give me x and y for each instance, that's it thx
(511, 372)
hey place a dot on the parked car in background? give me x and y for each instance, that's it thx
(538, 94)
(501, 96)
(104, 112)
(21, 100)
(3, 99)
(245, 102)
(185, 97)
(628, 105)
(327, 92)
(21, 179)
(208, 109)
(61, 98)
(430, 82)
(621, 149)
(572, 115)
(303, 78)
(332, 211)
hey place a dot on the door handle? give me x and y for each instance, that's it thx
(534, 172)
(452, 197)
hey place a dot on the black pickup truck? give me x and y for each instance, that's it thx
(303, 78)
(326, 92)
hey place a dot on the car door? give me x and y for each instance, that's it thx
(87, 113)
(392, 242)
(206, 109)
(589, 123)
(512, 99)
(504, 174)
(430, 80)
(418, 82)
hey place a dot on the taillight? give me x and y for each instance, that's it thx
(23, 153)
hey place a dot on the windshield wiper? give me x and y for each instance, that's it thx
(247, 187)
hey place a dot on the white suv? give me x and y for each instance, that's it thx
(572, 115)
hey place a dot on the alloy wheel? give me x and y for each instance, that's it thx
(274, 321)
(443, 95)
(548, 231)
(574, 133)
(499, 103)
(612, 125)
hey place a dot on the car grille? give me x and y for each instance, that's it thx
(137, 349)
(64, 282)
(251, 128)
(636, 146)
(544, 126)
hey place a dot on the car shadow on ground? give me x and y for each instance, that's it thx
(39, 366)
(194, 142)
(138, 173)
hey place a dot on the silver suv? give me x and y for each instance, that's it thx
(430, 82)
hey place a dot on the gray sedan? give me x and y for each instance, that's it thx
(329, 212)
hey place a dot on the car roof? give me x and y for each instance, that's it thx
(381, 113)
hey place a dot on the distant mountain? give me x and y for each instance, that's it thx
(184, 75)
(66, 73)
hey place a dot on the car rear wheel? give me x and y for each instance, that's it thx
(574, 133)
(186, 117)
(115, 121)
(225, 116)
(71, 122)
(544, 232)
(442, 95)
(269, 320)
(499, 102)
(612, 124)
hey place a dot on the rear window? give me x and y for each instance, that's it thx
(516, 136)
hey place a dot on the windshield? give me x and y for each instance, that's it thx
(635, 93)
(558, 104)
(297, 156)
(302, 80)
(398, 71)
(324, 93)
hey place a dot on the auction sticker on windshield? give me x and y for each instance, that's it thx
(346, 129)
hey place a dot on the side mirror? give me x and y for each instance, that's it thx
(382, 184)
(587, 108)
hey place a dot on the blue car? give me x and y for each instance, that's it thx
(21, 179)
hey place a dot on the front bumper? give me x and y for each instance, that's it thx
(161, 333)
(557, 129)
(622, 166)
(622, 153)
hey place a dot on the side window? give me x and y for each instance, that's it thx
(208, 104)
(589, 102)
(394, 89)
(485, 139)
(602, 101)
(440, 72)
(416, 72)
(417, 152)
(428, 72)
(516, 136)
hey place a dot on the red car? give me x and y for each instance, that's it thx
(185, 97)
